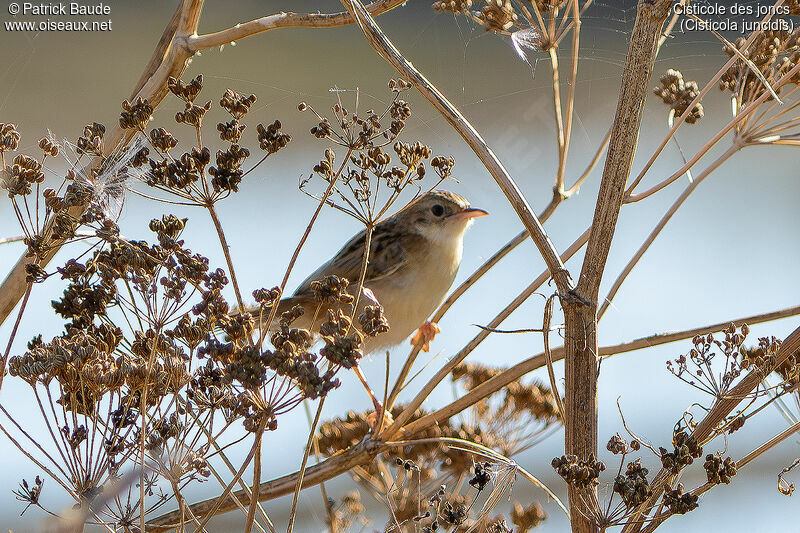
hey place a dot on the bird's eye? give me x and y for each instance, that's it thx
(437, 210)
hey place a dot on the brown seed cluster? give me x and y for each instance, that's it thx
(581, 473)
(452, 6)
(19, 177)
(534, 400)
(679, 94)
(192, 177)
(528, 517)
(373, 322)
(679, 502)
(632, 486)
(685, 451)
(9, 137)
(135, 115)
(498, 16)
(719, 470)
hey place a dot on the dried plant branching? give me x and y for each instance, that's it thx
(157, 383)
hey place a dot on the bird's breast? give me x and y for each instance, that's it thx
(413, 293)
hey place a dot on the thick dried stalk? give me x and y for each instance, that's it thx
(580, 308)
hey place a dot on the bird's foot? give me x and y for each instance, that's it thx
(425, 334)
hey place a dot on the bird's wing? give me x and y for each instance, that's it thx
(388, 255)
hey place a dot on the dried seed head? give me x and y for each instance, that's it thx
(498, 16)
(9, 137)
(270, 138)
(236, 104)
(527, 518)
(162, 139)
(373, 321)
(186, 92)
(452, 6)
(135, 115)
(679, 502)
(48, 146)
(633, 486)
(582, 473)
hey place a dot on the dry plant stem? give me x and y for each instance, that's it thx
(282, 20)
(378, 40)
(548, 316)
(573, 76)
(719, 411)
(580, 308)
(558, 118)
(212, 210)
(214, 509)
(312, 434)
(660, 226)
(246, 489)
(251, 512)
(14, 332)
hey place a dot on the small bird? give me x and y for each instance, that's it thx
(414, 257)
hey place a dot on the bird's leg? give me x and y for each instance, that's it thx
(380, 417)
(425, 334)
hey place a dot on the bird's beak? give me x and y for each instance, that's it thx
(472, 212)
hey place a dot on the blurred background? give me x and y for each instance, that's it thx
(731, 251)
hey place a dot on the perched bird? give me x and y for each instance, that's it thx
(414, 257)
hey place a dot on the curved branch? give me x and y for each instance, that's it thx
(196, 43)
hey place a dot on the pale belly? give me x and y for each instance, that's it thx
(409, 303)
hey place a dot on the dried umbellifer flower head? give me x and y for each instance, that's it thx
(498, 16)
(332, 289)
(373, 321)
(452, 6)
(236, 104)
(527, 518)
(192, 114)
(185, 91)
(679, 94)
(9, 137)
(270, 138)
(135, 115)
(576, 472)
(48, 146)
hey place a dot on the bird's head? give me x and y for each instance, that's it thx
(439, 215)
